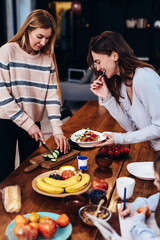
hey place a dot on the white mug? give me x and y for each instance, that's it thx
(125, 182)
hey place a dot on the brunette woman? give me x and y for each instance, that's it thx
(130, 90)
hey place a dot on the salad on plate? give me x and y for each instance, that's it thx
(87, 137)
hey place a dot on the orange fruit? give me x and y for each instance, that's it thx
(148, 213)
(62, 220)
(20, 219)
(17, 228)
(34, 217)
(34, 224)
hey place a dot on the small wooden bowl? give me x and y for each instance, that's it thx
(73, 203)
(103, 161)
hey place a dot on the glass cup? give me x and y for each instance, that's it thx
(82, 162)
(125, 182)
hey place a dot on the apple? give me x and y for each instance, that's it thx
(47, 228)
(100, 183)
(67, 174)
(62, 220)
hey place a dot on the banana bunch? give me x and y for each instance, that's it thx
(70, 185)
(47, 187)
(80, 185)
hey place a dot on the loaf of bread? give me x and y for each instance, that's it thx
(11, 196)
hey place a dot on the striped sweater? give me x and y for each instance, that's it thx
(28, 84)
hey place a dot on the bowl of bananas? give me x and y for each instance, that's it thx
(52, 184)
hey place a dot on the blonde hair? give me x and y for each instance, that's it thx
(38, 18)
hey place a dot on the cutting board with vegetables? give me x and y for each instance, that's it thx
(39, 160)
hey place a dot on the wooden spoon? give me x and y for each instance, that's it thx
(99, 206)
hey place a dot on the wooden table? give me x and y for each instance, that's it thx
(97, 118)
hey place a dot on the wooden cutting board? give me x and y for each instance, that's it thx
(39, 161)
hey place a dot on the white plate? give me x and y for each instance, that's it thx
(87, 144)
(142, 170)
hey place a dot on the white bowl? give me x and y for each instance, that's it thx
(87, 144)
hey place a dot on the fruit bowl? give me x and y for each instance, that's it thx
(103, 161)
(103, 213)
(73, 203)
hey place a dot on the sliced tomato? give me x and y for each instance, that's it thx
(94, 135)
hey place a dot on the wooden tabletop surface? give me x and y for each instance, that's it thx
(97, 118)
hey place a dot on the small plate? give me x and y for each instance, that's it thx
(87, 144)
(61, 195)
(142, 170)
(62, 233)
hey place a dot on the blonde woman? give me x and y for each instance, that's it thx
(28, 84)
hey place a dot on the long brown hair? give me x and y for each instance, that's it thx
(106, 43)
(38, 18)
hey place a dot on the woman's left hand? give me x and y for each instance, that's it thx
(62, 143)
(109, 140)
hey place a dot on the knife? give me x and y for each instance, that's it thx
(45, 146)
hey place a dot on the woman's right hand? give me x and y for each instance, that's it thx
(99, 88)
(126, 212)
(35, 133)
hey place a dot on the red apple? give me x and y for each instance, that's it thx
(47, 228)
(67, 174)
(100, 183)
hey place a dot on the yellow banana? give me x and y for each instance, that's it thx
(62, 183)
(47, 187)
(80, 185)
